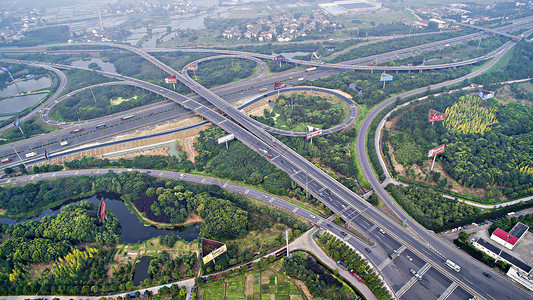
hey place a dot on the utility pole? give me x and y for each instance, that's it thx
(93, 95)
(21, 160)
(287, 242)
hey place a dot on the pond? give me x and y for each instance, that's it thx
(20, 103)
(25, 86)
(141, 270)
(133, 230)
(106, 66)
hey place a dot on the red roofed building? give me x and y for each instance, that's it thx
(503, 238)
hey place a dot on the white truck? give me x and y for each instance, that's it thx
(64, 143)
(31, 154)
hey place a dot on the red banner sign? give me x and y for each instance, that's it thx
(279, 85)
(171, 79)
(313, 134)
(192, 68)
(436, 151)
(435, 118)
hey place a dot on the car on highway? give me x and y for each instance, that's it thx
(418, 276)
(487, 275)
(368, 250)
(343, 233)
(409, 257)
(382, 231)
(274, 145)
(329, 225)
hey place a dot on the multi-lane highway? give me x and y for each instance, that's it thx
(341, 200)
(427, 250)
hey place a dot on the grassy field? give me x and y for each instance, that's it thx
(364, 20)
(254, 285)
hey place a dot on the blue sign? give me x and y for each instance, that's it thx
(385, 78)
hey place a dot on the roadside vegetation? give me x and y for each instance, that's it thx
(221, 71)
(339, 251)
(387, 46)
(249, 228)
(296, 111)
(485, 141)
(106, 101)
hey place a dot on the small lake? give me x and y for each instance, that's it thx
(133, 230)
(25, 86)
(141, 270)
(106, 66)
(20, 103)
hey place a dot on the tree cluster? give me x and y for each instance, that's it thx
(507, 224)
(164, 269)
(221, 71)
(58, 239)
(302, 109)
(238, 163)
(429, 208)
(20, 200)
(314, 276)
(498, 157)
(369, 90)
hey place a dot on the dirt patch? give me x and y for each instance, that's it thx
(249, 285)
(187, 145)
(390, 213)
(303, 288)
(156, 151)
(164, 127)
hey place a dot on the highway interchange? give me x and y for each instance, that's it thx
(426, 249)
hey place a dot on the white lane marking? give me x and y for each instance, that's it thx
(448, 291)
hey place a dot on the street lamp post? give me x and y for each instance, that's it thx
(508, 237)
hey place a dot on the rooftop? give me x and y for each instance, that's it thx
(519, 229)
(511, 239)
(504, 255)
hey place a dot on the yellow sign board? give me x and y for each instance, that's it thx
(216, 253)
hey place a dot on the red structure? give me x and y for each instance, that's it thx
(101, 211)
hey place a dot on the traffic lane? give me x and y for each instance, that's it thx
(397, 276)
(385, 241)
(415, 262)
(90, 133)
(460, 294)
(432, 286)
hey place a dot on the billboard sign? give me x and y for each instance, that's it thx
(435, 116)
(485, 94)
(192, 68)
(279, 85)
(385, 77)
(216, 253)
(313, 134)
(171, 79)
(436, 151)
(279, 58)
(226, 138)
